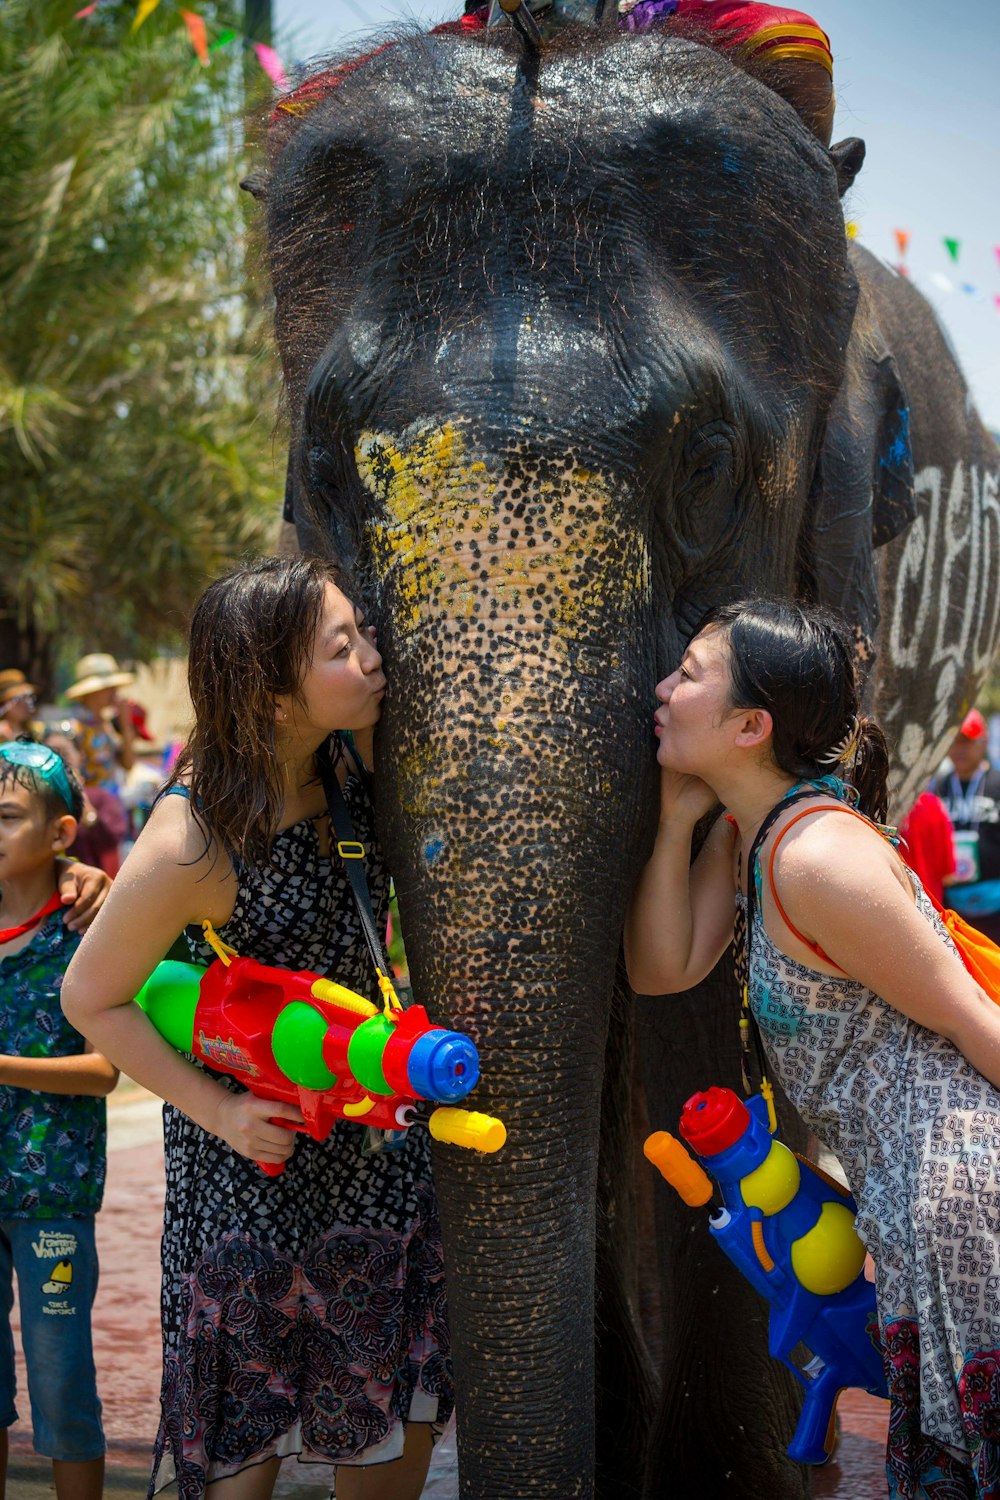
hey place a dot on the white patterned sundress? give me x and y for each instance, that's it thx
(302, 1314)
(917, 1130)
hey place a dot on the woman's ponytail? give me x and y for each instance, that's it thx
(869, 773)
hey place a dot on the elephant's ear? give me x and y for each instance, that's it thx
(862, 492)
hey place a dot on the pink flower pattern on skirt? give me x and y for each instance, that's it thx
(918, 1468)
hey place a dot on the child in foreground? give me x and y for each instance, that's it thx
(873, 1026)
(52, 1131)
(305, 1313)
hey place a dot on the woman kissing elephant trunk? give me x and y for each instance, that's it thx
(515, 608)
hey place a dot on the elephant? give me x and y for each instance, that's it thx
(575, 347)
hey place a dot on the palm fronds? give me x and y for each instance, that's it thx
(134, 460)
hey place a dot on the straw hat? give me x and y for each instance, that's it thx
(96, 671)
(12, 684)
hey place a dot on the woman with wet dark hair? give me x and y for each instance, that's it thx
(875, 1029)
(303, 1313)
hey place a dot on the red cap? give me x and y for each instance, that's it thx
(714, 1121)
(973, 726)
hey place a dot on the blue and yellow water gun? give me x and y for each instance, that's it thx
(790, 1229)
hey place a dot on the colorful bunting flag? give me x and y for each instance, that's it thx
(996, 251)
(942, 282)
(196, 31)
(88, 10)
(902, 269)
(852, 229)
(953, 247)
(143, 11)
(271, 63)
(902, 240)
(997, 301)
(222, 40)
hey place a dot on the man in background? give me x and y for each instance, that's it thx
(970, 792)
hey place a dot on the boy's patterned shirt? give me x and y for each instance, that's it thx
(52, 1146)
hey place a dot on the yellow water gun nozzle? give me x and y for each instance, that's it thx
(466, 1127)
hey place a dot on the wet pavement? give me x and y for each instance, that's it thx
(857, 1469)
(127, 1349)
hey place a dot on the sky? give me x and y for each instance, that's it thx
(917, 81)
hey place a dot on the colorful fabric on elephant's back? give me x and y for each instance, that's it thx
(917, 1130)
(783, 34)
(303, 1314)
(747, 25)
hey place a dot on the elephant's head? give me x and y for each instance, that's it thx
(561, 335)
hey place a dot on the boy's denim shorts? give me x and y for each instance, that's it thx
(56, 1265)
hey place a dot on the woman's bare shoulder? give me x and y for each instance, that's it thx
(835, 847)
(175, 838)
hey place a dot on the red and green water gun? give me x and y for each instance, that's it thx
(301, 1038)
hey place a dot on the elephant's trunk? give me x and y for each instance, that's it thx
(512, 942)
(515, 770)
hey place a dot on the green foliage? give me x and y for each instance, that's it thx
(397, 952)
(136, 456)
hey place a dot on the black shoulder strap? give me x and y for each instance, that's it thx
(762, 833)
(352, 852)
(364, 775)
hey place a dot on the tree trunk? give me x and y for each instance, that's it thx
(28, 649)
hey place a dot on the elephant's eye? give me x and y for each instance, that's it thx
(710, 458)
(706, 502)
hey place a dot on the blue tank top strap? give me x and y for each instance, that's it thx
(177, 791)
(831, 786)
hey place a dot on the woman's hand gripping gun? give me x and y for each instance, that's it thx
(790, 1229)
(298, 1037)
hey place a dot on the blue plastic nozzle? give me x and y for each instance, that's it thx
(443, 1066)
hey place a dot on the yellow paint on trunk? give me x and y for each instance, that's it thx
(456, 540)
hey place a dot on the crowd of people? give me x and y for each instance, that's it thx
(105, 738)
(77, 780)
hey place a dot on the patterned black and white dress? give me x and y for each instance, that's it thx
(917, 1130)
(302, 1314)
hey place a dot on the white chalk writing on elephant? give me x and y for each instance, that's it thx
(944, 615)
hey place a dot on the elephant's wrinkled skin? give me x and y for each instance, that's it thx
(561, 337)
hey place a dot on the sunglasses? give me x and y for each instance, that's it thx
(29, 699)
(45, 763)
